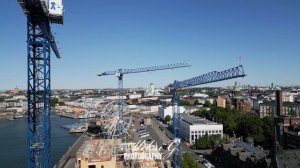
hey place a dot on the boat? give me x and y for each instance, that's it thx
(80, 129)
(14, 116)
(18, 116)
(10, 117)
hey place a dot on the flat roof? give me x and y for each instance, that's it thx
(245, 150)
(288, 158)
(194, 120)
(97, 150)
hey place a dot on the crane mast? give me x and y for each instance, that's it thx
(210, 77)
(120, 73)
(40, 40)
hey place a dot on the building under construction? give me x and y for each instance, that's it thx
(112, 153)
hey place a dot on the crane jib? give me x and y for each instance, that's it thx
(210, 77)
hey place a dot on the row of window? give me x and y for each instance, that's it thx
(207, 131)
(94, 166)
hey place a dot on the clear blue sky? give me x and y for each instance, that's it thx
(101, 35)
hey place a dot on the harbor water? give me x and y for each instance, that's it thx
(13, 141)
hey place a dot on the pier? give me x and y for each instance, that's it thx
(68, 160)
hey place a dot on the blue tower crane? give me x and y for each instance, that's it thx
(40, 40)
(210, 77)
(120, 73)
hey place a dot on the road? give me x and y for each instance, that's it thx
(154, 132)
(164, 130)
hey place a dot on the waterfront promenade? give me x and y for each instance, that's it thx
(69, 158)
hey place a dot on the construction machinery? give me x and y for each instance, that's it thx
(210, 77)
(40, 40)
(120, 73)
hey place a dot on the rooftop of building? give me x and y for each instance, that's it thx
(245, 150)
(148, 164)
(97, 150)
(194, 120)
(273, 103)
(288, 158)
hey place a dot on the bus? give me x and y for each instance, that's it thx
(145, 135)
(141, 130)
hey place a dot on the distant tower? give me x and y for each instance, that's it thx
(152, 89)
(277, 120)
(236, 91)
(279, 104)
(272, 85)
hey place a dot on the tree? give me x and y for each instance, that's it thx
(189, 162)
(196, 102)
(206, 141)
(201, 143)
(53, 102)
(207, 103)
(267, 126)
(250, 125)
(184, 103)
(134, 100)
(61, 103)
(229, 124)
(293, 113)
(167, 118)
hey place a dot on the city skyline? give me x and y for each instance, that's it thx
(210, 35)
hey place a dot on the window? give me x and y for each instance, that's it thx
(213, 131)
(102, 166)
(202, 132)
(92, 166)
(192, 137)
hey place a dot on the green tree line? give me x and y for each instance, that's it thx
(244, 124)
(206, 141)
(55, 101)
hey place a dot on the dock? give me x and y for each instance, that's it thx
(69, 158)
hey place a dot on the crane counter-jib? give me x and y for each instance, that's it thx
(53, 9)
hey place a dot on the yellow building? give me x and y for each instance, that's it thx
(97, 154)
(221, 102)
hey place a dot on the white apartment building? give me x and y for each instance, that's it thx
(192, 128)
(134, 96)
(286, 97)
(269, 109)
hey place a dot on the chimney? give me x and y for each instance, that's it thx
(277, 120)
(279, 105)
